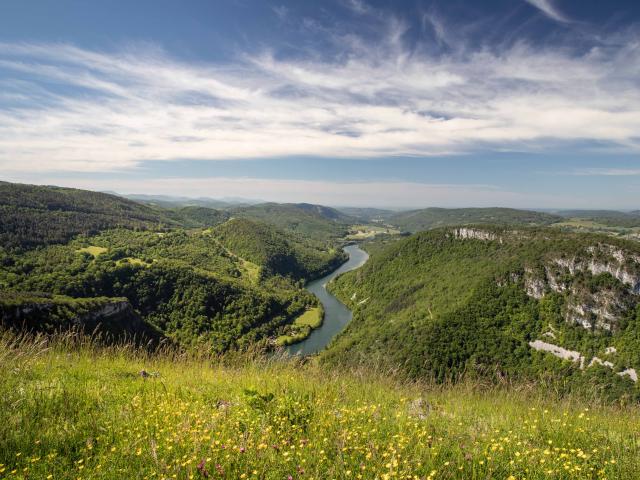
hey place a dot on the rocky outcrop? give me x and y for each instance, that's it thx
(465, 233)
(580, 359)
(629, 372)
(591, 304)
(557, 351)
(603, 258)
(49, 313)
(535, 287)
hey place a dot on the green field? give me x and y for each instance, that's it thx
(93, 250)
(364, 232)
(69, 409)
(302, 326)
(588, 225)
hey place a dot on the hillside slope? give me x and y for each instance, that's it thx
(114, 318)
(428, 218)
(312, 221)
(459, 301)
(33, 215)
(196, 287)
(189, 285)
(275, 251)
(62, 250)
(71, 410)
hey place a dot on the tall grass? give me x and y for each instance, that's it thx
(73, 407)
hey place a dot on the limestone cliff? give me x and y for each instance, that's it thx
(47, 313)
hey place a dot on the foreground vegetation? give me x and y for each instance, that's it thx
(70, 409)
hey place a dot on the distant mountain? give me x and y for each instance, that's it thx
(314, 221)
(428, 218)
(168, 201)
(326, 212)
(366, 215)
(610, 218)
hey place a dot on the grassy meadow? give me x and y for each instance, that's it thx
(70, 409)
(302, 326)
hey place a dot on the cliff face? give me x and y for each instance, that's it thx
(600, 281)
(465, 233)
(48, 313)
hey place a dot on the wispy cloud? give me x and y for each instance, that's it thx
(550, 10)
(65, 108)
(606, 172)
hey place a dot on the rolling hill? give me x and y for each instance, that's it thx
(32, 215)
(428, 218)
(314, 221)
(277, 252)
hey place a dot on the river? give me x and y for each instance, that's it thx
(336, 314)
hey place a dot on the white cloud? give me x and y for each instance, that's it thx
(550, 10)
(65, 108)
(606, 172)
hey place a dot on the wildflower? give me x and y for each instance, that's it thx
(202, 469)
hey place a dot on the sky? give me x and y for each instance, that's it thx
(396, 103)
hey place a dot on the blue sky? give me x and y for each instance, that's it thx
(522, 103)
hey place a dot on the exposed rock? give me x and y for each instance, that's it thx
(596, 360)
(535, 287)
(577, 357)
(474, 233)
(419, 408)
(558, 351)
(631, 373)
(599, 309)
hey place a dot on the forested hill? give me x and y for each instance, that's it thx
(275, 251)
(32, 215)
(459, 301)
(72, 258)
(315, 221)
(35, 215)
(425, 219)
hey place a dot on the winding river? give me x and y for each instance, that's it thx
(336, 314)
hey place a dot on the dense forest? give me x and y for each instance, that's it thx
(316, 221)
(456, 302)
(186, 273)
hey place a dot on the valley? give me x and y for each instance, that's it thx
(194, 312)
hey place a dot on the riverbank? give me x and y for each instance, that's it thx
(302, 327)
(336, 314)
